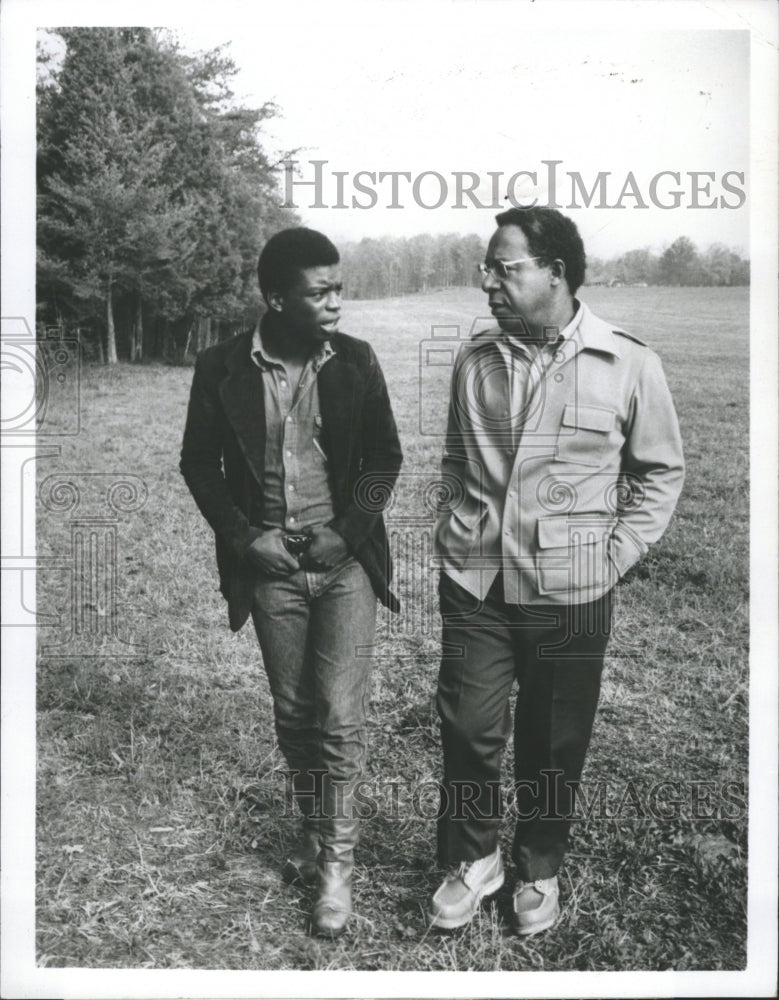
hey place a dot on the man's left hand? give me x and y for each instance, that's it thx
(326, 550)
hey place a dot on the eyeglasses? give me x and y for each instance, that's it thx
(500, 268)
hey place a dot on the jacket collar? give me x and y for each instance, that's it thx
(241, 392)
(240, 356)
(589, 334)
(595, 335)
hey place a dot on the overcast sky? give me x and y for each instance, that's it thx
(478, 87)
(493, 87)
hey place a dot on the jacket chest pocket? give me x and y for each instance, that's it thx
(584, 433)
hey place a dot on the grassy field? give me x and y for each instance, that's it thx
(160, 798)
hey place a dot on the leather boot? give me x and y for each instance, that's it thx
(333, 903)
(300, 865)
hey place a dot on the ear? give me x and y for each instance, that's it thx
(276, 301)
(557, 268)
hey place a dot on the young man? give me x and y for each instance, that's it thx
(565, 448)
(287, 427)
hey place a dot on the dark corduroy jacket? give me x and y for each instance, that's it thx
(223, 457)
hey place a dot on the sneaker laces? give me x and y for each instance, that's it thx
(459, 872)
(545, 887)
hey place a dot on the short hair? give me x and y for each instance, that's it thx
(550, 236)
(286, 253)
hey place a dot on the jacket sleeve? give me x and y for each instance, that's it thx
(652, 467)
(454, 458)
(201, 463)
(380, 462)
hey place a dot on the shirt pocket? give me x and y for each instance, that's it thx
(584, 433)
(573, 554)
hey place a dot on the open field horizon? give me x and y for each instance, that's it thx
(160, 794)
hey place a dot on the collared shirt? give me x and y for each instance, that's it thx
(296, 489)
(526, 362)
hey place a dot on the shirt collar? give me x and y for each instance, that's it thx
(323, 353)
(568, 331)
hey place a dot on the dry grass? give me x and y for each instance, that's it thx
(160, 798)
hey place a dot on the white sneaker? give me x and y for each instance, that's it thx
(458, 897)
(536, 905)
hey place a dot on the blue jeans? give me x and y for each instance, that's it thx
(315, 630)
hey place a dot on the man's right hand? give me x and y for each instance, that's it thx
(268, 554)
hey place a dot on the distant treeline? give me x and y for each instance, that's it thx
(680, 264)
(155, 195)
(379, 268)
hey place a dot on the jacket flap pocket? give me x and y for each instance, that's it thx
(590, 418)
(562, 531)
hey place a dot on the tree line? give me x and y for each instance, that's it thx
(156, 193)
(679, 264)
(380, 268)
(385, 267)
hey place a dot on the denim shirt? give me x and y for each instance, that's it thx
(296, 487)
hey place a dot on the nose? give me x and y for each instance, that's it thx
(488, 282)
(333, 302)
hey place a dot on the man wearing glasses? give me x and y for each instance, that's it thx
(287, 428)
(564, 463)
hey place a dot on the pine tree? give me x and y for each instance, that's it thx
(154, 191)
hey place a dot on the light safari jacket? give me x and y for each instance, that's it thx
(590, 485)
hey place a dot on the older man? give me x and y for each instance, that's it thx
(287, 427)
(564, 457)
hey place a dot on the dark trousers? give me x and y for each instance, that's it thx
(556, 655)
